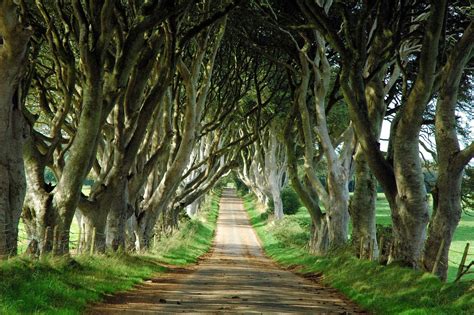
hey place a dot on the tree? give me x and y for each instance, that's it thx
(451, 159)
(14, 38)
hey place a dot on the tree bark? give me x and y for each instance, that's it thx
(362, 207)
(363, 201)
(12, 177)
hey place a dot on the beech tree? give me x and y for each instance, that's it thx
(451, 159)
(14, 38)
(79, 42)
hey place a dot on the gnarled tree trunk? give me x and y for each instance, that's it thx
(13, 43)
(451, 159)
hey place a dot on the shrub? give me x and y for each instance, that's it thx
(290, 199)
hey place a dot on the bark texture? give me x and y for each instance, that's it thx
(13, 47)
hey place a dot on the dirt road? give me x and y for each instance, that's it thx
(236, 277)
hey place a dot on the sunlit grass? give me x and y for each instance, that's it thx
(379, 289)
(66, 286)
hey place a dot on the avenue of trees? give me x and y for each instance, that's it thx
(154, 101)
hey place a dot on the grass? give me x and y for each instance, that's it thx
(67, 286)
(192, 240)
(463, 234)
(379, 289)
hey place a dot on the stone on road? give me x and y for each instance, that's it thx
(235, 277)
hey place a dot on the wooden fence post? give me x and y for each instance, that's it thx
(463, 261)
(381, 247)
(78, 248)
(93, 241)
(371, 249)
(55, 240)
(45, 240)
(438, 257)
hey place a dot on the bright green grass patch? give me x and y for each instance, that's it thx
(192, 240)
(67, 286)
(379, 289)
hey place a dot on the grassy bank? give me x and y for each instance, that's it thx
(66, 286)
(379, 289)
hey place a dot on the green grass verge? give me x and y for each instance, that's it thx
(379, 289)
(192, 240)
(66, 286)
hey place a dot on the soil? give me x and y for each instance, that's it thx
(236, 277)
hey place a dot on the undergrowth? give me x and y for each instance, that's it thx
(376, 288)
(67, 286)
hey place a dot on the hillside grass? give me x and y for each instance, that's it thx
(378, 289)
(68, 285)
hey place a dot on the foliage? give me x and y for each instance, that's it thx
(291, 201)
(239, 185)
(378, 289)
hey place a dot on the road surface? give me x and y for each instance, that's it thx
(235, 278)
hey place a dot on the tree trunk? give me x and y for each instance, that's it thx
(275, 165)
(193, 208)
(338, 223)
(93, 220)
(146, 229)
(37, 218)
(451, 160)
(410, 215)
(319, 236)
(444, 223)
(362, 207)
(12, 178)
(118, 216)
(363, 201)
